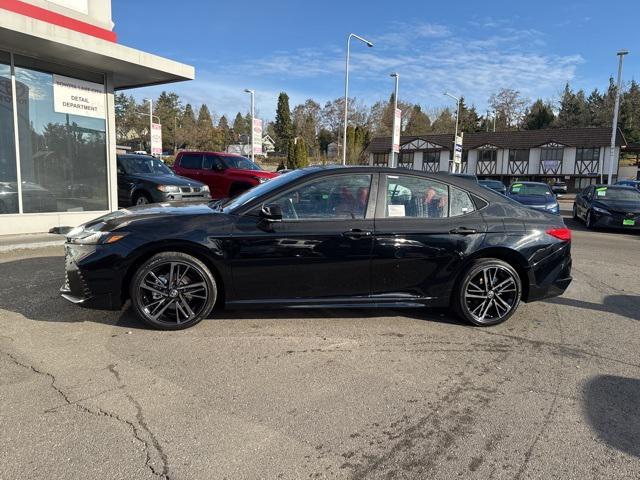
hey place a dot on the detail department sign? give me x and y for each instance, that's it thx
(78, 97)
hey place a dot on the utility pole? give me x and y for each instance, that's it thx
(253, 140)
(394, 155)
(614, 125)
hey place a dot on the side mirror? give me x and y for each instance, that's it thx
(271, 213)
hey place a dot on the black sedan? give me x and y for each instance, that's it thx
(608, 206)
(323, 237)
(144, 179)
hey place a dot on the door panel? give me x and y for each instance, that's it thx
(419, 256)
(320, 250)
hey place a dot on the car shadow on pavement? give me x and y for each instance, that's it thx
(611, 407)
(623, 305)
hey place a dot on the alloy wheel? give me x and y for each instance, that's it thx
(142, 200)
(173, 292)
(491, 294)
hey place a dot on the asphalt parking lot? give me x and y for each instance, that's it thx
(360, 394)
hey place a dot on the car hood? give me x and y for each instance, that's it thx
(252, 173)
(156, 211)
(618, 206)
(173, 180)
(534, 199)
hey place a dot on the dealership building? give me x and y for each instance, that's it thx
(576, 156)
(60, 65)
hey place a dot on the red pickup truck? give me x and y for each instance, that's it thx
(226, 174)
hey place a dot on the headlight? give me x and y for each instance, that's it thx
(204, 188)
(554, 207)
(261, 179)
(168, 188)
(95, 238)
(601, 211)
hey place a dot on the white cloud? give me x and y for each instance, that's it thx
(430, 58)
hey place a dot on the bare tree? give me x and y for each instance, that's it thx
(509, 106)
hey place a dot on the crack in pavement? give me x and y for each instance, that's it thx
(552, 408)
(99, 412)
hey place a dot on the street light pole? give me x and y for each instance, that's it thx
(253, 140)
(346, 92)
(455, 138)
(394, 155)
(614, 126)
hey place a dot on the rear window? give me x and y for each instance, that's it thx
(191, 160)
(529, 189)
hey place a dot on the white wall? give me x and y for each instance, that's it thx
(95, 12)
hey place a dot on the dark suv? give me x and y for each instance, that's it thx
(226, 174)
(144, 179)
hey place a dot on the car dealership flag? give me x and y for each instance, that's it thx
(397, 124)
(156, 139)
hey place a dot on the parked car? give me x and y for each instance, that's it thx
(535, 195)
(630, 183)
(144, 179)
(226, 174)
(324, 237)
(495, 185)
(610, 206)
(35, 198)
(559, 188)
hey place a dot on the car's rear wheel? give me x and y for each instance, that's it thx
(575, 212)
(488, 293)
(172, 291)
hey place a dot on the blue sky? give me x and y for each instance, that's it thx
(466, 47)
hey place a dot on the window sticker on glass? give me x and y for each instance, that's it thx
(515, 188)
(396, 211)
(601, 192)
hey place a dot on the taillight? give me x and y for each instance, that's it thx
(560, 233)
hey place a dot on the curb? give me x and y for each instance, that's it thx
(30, 246)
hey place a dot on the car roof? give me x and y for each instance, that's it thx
(202, 152)
(530, 183)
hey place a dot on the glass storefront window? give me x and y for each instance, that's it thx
(8, 171)
(63, 156)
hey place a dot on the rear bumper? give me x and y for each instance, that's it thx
(551, 275)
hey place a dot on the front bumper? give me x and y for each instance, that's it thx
(161, 197)
(615, 220)
(79, 286)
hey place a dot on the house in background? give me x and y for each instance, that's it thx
(244, 149)
(576, 156)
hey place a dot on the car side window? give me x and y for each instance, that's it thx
(191, 161)
(460, 202)
(589, 193)
(338, 196)
(416, 197)
(212, 162)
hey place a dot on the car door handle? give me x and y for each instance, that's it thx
(463, 231)
(357, 233)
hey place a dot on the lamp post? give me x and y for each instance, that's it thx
(394, 155)
(455, 137)
(346, 92)
(150, 122)
(614, 125)
(252, 93)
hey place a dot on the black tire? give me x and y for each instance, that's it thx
(238, 188)
(588, 220)
(466, 300)
(575, 212)
(141, 198)
(178, 286)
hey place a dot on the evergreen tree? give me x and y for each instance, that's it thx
(540, 115)
(241, 128)
(168, 108)
(291, 154)
(205, 133)
(225, 133)
(418, 123)
(189, 129)
(301, 154)
(283, 126)
(630, 113)
(469, 118)
(444, 122)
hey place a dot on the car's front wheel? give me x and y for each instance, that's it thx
(488, 292)
(172, 291)
(575, 212)
(588, 221)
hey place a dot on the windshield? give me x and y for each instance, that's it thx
(143, 165)
(241, 163)
(260, 190)
(621, 194)
(530, 189)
